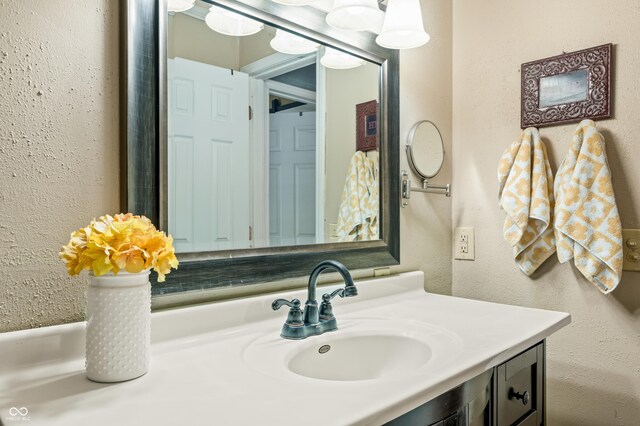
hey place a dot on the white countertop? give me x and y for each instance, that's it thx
(207, 366)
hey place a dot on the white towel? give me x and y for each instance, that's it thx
(587, 224)
(358, 215)
(526, 195)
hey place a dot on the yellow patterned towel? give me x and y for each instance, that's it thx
(587, 224)
(526, 195)
(358, 215)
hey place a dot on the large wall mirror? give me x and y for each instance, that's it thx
(263, 153)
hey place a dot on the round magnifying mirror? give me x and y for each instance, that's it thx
(425, 149)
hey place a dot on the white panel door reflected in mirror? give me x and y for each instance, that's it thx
(261, 143)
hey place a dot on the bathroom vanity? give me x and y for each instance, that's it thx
(399, 354)
(511, 393)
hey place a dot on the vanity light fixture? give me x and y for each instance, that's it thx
(336, 59)
(403, 27)
(354, 15)
(179, 5)
(285, 42)
(232, 24)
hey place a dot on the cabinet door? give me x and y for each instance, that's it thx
(519, 387)
(466, 405)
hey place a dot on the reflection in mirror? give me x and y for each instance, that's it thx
(425, 149)
(262, 144)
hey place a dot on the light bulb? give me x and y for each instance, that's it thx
(339, 60)
(294, 2)
(355, 15)
(179, 5)
(403, 27)
(230, 23)
(292, 44)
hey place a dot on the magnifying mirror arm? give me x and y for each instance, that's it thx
(426, 187)
(436, 189)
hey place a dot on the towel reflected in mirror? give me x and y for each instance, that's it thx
(358, 214)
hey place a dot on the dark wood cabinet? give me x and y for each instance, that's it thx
(519, 389)
(466, 405)
(511, 394)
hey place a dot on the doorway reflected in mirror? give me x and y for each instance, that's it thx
(261, 144)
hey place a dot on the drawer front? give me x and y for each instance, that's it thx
(519, 389)
(530, 420)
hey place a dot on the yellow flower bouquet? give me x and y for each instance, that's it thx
(122, 242)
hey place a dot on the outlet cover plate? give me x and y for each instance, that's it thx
(631, 249)
(464, 243)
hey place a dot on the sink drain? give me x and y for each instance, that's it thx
(324, 349)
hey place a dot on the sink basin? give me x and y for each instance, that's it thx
(363, 348)
(363, 357)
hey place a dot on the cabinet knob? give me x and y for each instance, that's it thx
(524, 397)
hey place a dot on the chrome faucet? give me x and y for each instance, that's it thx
(313, 320)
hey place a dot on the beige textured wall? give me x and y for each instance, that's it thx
(58, 148)
(256, 46)
(593, 369)
(425, 94)
(190, 38)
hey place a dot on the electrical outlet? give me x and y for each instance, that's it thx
(631, 249)
(463, 244)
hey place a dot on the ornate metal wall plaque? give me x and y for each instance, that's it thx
(567, 88)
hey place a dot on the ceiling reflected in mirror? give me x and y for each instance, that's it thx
(398, 24)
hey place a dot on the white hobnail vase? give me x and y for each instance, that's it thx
(118, 326)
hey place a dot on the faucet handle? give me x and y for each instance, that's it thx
(326, 310)
(295, 313)
(278, 303)
(328, 297)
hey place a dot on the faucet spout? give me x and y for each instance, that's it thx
(315, 320)
(311, 314)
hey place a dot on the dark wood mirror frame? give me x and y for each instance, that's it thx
(143, 147)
